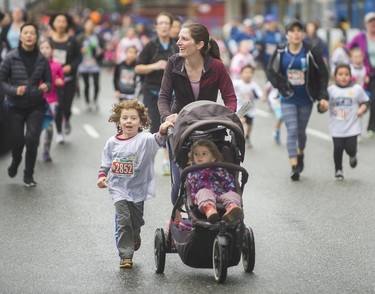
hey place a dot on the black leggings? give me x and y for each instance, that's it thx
(86, 82)
(65, 103)
(349, 144)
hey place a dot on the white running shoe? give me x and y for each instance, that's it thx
(60, 138)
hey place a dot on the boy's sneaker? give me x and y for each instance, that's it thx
(29, 182)
(339, 174)
(126, 263)
(295, 173)
(60, 138)
(47, 157)
(353, 161)
(12, 170)
(276, 136)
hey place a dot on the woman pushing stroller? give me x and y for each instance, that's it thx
(213, 185)
(194, 73)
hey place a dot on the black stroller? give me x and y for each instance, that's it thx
(199, 243)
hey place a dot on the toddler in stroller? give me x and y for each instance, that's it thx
(212, 185)
(216, 237)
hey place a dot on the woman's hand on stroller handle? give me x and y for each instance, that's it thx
(172, 117)
(165, 127)
(170, 131)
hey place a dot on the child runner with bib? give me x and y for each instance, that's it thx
(127, 170)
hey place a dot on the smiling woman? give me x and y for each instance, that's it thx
(196, 72)
(196, 64)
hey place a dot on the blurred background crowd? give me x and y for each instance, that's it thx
(228, 21)
(247, 31)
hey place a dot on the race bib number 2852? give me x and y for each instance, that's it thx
(123, 167)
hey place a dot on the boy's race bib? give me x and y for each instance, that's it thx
(123, 167)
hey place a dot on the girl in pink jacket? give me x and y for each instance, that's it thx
(52, 98)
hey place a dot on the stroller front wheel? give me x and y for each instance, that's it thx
(219, 260)
(159, 250)
(248, 250)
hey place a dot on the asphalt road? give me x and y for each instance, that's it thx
(312, 236)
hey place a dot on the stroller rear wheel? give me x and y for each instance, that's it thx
(159, 250)
(220, 260)
(248, 250)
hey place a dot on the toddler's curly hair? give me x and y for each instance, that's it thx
(117, 108)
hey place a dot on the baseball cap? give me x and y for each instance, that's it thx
(369, 16)
(294, 23)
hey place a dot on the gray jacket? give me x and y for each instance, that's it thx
(13, 74)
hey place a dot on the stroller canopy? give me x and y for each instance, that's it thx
(203, 116)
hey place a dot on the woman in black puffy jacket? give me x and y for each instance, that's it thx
(25, 75)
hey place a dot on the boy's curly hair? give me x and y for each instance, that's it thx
(205, 143)
(117, 108)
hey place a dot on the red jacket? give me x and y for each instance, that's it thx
(176, 91)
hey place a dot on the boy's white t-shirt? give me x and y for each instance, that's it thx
(247, 92)
(343, 106)
(131, 167)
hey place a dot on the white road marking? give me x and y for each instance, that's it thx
(76, 110)
(90, 130)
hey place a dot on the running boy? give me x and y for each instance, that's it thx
(347, 103)
(124, 77)
(211, 185)
(128, 170)
(247, 90)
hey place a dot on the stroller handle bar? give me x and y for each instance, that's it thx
(170, 132)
